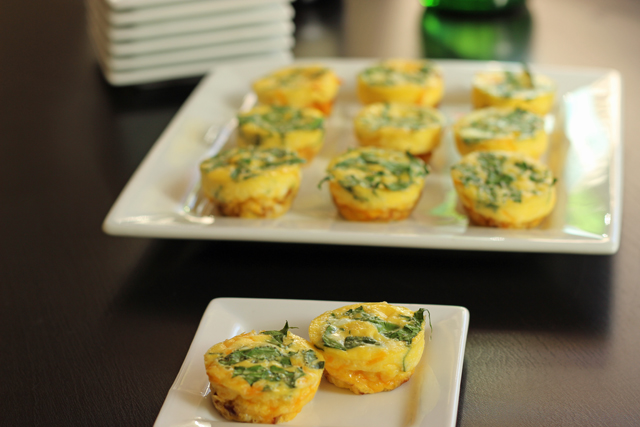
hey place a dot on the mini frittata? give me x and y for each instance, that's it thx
(408, 81)
(401, 127)
(300, 86)
(263, 377)
(369, 348)
(375, 184)
(533, 93)
(504, 189)
(501, 128)
(252, 182)
(296, 129)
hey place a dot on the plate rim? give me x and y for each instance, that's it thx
(605, 246)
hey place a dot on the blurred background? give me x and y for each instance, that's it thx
(145, 41)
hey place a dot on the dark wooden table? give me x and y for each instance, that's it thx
(94, 328)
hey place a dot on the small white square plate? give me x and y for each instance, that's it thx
(585, 155)
(430, 398)
(170, 11)
(178, 42)
(187, 70)
(202, 23)
(124, 5)
(186, 55)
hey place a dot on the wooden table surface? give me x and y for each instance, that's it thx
(94, 328)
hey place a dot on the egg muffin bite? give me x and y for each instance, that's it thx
(501, 128)
(504, 189)
(296, 129)
(533, 93)
(401, 127)
(374, 184)
(252, 182)
(369, 348)
(300, 86)
(408, 81)
(263, 377)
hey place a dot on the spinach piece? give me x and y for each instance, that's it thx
(388, 329)
(330, 342)
(256, 355)
(311, 360)
(410, 330)
(381, 325)
(277, 337)
(353, 342)
(272, 374)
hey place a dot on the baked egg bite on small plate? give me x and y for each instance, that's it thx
(504, 189)
(263, 377)
(533, 93)
(402, 127)
(408, 81)
(252, 182)
(375, 184)
(296, 129)
(299, 86)
(501, 128)
(369, 348)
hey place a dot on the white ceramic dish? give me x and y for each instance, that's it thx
(430, 398)
(191, 69)
(172, 11)
(585, 155)
(269, 13)
(200, 53)
(188, 41)
(138, 4)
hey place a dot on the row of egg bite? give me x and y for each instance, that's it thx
(269, 376)
(370, 184)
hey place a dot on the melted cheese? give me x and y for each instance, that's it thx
(362, 346)
(505, 128)
(510, 189)
(400, 127)
(254, 378)
(399, 80)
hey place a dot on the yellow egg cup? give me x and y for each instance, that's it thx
(267, 193)
(263, 401)
(401, 127)
(537, 199)
(294, 129)
(371, 368)
(361, 203)
(312, 86)
(507, 140)
(538, 100)
(410, 84)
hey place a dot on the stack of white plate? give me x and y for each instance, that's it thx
(145, 41)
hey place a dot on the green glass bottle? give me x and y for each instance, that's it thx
(477, 29)
(473, 6)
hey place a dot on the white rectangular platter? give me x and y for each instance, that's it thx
(585, 155)
(430, 398)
